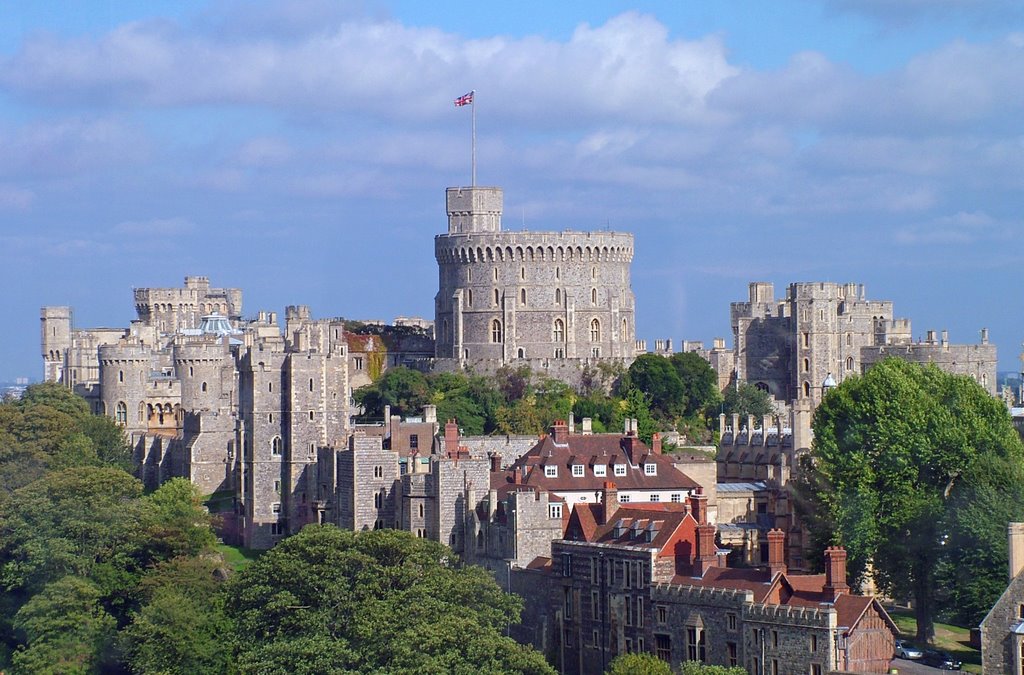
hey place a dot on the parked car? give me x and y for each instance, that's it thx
(905, 650)
(937, 659)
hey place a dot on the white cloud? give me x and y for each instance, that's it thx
(962, 228)
(15, 198)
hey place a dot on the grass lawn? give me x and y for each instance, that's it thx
(952, 639)
(236, 556)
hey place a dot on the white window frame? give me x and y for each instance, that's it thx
(555, 511)
(600, 469)
(650, 469)
(551, 471)
(578, 471)
(620, 469)
(275, 507)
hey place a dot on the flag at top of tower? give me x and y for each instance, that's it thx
(465, 99)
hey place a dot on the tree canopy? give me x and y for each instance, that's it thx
(910, 469)
(327, 600)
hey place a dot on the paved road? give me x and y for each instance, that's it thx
(907, 667)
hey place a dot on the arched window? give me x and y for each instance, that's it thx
(593, 272)
(807, 389)
(595, 331)
(522, 273)
(203, 387)
(496, 297)
(625, 330)
(275, 446)
(469, 297)
(806, 365)
(121, 412)
(558, 272)
(849, 363)
(522, 353)
(849, 339)
(558, 296)
(495, 273)
(593, 296)
(496, 330)
(522, 297)
(142, 412)
(559, 330)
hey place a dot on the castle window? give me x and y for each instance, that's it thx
(270, 418)
(595, 331)
(469, 297)
(495, 273)
(496, 330)
(596, 352)
(593, 272)
(310, 415)
(620, 470)
(121, 413)
(522, 297)
(849, 363)
(625, 331)
(275, 446)
(559, 333)
(203, 387)
(558, 272)
(378, 472)
(421, 510)
(849, 339)
(806, 365)
(522, 353)
(807, 389)
(730, 621)
(358, 362)
(551, 471)
(814, 642)
(600, 469)
(311, 384)
(807, 340)
(662, 643)
(378, 500)
(190, 371)
(558, 296)
(650, 469)
(275, 507)
(559, 353)
(414, 441)
(120, 376)
(522, 273)
(577, 470)
(270, 386)
(497, 299)
(593, 296)
(276, 529)
(277, 486)
(555, 511)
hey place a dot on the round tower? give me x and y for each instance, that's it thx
(124, 370)
(56, 340)
(199, 367)
(529, 296)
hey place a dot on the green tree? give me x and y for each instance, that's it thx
(636, 405)
(745, 399)
(892, 452)
(694, 668)
(175, 522)
(326, 600)
(404, 389)
(638, 664)
(66, 630)
(656, 377)
(181, 626)
(700, 383)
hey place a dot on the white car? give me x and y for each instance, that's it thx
(905, 650)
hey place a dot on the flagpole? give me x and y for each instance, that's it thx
(473, 105)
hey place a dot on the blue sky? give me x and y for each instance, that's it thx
(300, 151)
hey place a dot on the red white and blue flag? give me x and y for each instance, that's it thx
(465, 99)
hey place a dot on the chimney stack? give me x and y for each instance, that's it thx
(656, 443)
(430, 414)
(588, 426)
(707, 551)
(451, 438)
(776, 552)
(610, 499)
(495, 461)
(699, 506)
(835, 573)
(560, 432)
(1016, 549)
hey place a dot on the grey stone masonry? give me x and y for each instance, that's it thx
(530, 297)
(367, 485)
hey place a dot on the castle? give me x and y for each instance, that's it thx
(552, 300)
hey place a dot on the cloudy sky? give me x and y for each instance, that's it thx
(300, 151)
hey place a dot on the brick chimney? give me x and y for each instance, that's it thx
(451, 438)
(517, 475)
(560, 432)
(707, 551)
(656, 443)
(699, 506)
(610, 499)
(495, 461)
(776, 552)
(1016, 532)
(835, 573)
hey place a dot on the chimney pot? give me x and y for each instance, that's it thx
(656, 443)
(1016, 532)
(560, 432)
(776, 552)
(835, 573)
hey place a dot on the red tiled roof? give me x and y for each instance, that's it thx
(591, 449)
(671, 523)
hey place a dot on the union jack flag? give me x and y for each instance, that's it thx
(465, 99)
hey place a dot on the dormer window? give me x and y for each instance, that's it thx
(551, 471)
(600, 469)
(620, 469)
(650, 469)
(577, 471)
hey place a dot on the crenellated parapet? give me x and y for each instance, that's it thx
(791, 615)
(700, 595)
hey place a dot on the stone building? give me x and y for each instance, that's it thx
(550, 300)
(1002, 629)
(790, 347)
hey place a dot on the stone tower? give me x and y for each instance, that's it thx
(544, 299)
(56, 340)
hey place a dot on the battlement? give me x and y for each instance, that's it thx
(567, 246)
(700, 595)
(110, 354)
(474, 209)
(789, 615)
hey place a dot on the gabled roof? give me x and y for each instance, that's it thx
(657, 526)
(590, 450)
